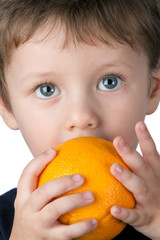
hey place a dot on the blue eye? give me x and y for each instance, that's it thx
(109, 83)
(47, 91)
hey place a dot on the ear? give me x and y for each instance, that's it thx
(8, 116)
(154, 96)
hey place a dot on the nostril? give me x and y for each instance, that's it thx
(81, 121)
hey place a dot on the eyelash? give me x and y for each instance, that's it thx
(40, 84)
(51, 83)
(115, 75)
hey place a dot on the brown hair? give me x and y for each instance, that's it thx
(135, 22)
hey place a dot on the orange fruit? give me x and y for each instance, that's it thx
(92, 157)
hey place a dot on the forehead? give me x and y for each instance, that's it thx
(57, 36)
(55, 40)
(49, 54)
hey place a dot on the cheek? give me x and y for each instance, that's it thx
(126, 128)
(122, 121)
(40, 131)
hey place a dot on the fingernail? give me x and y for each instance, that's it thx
(119, 168)
(94, 222)
(142, 127)
(117, 210)
(87, 195)
(50, 150)
(76, 178)
(122, 143)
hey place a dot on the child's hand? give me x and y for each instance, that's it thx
(143, 182)
(36, 211)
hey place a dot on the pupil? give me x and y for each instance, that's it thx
(110, 83)
(47, 91)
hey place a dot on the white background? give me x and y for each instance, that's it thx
(14, 154)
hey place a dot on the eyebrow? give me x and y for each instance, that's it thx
(115, 63)
(36, 75)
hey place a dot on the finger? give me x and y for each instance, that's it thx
(134, 217)
(75, 230)
(58, 207)
(132, 158)
(124, 214)
(54, 188)
(28, 180)
(133, 183)
(147, 146)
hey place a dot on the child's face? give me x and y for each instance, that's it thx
(92, 91)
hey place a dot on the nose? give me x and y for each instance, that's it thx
(82, 118)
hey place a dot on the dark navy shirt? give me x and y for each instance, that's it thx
(7, 215)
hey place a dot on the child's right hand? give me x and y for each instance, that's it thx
(37, 211)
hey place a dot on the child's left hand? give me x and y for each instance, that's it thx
(143, 182)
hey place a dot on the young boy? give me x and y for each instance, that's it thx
(71, 68)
